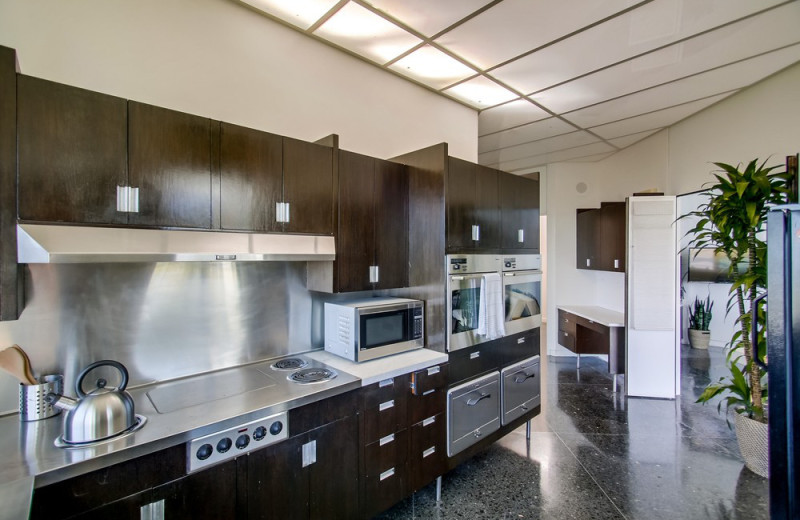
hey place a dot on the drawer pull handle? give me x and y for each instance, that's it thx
(565, 334)
(520, 341)
(475, 355)
(386, 440)
(386, 474)
(386, 382)
(476, 400)
(429, 421)
(434, 370)
(429, 451)
(523, 376)
(429, 392)
(386, 405)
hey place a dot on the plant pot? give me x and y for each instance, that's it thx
(753, 444)
(699, 338)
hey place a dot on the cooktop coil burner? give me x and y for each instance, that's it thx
(290, 364)
(312, 375)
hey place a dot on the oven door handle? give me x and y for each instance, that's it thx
(476, 400)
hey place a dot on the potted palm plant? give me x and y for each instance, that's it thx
(699, 322)
(731, 222)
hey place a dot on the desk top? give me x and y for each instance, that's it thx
(600, 315)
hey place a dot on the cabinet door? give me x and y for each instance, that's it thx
(487, 207)
(169, 160)
(72, 146)
(460, 196)
(586, 238)
(334, 475)
(308, 187)
(612, 233)
(277, 482)
(519, 202)
(391, 224)
(356, 237)
(251, 178)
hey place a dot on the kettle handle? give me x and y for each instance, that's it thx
(107, 362)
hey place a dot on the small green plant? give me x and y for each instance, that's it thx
(700, 315)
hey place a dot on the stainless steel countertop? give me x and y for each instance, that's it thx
(29, 449)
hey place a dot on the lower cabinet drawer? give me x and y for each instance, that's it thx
(388, 452)
(430, 403)
(383, 490)
(473, 411)
(388, 417)
(427, 458)
(521, 389)
(470, 362)
(567, 339)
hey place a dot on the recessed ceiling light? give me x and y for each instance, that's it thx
(433, 67)
(302, 13)
(481, 92)
(360, 30)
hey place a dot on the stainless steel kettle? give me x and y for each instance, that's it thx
(99, 414)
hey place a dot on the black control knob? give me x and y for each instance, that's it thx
(224, 445)
(259, 433)
(276, 428)
(242, 441)
(204, 451)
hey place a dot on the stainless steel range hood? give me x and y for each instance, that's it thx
(42, 244)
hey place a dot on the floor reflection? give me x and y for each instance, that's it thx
(595, 454)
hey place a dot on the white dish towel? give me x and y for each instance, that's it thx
(491, 314)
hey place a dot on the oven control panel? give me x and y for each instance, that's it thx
(230, 443)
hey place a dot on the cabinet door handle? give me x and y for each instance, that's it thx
(133, 205)
(476, 400)
(521, 236)
(386, 405)
(429, 421)
(386, 474)
(524, 376)
(429, 451)
(386, 440)
(122, 198)
(279, 212)
(374, 274)
(616, 263)
(588, 262)
(476, 232)
(309, 453)
(288, 212)
(152, 511)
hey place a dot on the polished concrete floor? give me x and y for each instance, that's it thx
(593, 454)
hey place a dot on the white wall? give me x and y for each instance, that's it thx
(218, 59)
(761, 121)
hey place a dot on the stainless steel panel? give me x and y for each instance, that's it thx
(161, 320)
(473, 410)
(38, 243)
(521, 262)
(472, 263)
(521, 388)
(522, 291)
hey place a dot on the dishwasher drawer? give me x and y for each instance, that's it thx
(473, 410)
(521, 388)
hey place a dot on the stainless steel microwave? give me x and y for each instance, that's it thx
(367, 329)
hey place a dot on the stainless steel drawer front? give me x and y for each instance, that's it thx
(473, 411)
(521, 388)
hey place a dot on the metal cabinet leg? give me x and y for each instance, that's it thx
(438, 489)
(528, 431)
(615, 383)
(578, 362)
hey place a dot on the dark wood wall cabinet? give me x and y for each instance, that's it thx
(519, 211)
(11, 279)
(600, 237)
(372, 228)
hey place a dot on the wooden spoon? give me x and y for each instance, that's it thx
(15, 361)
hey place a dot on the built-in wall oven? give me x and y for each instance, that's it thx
(474, 300)
(522, 292)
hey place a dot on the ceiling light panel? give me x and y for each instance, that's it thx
(480, 92)
(552, 144)
(596, 151)
(696, 87)
(613, 41)
(509, 115)
(302, 13)
(524, 134)
(657, 119)
(363, 32)
(428, 18)
(735, 42)
(432, 67)
(513, 27)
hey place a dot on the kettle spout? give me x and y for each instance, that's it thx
(61, 402)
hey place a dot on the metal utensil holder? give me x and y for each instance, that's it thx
(32, 406)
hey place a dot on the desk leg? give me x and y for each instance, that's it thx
(615, 383)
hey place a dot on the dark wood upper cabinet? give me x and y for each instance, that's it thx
(519, 206)
(373, 224)
(487, 210)
(391, 224)
(251, 178)
(11, 284)
(169, 160)
(72, 153)
(587, 224)
(460, 196)
(600, 237)
(308, 187)
(355, 247)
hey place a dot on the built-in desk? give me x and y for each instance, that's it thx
(588, 329)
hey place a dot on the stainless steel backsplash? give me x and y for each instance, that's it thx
(161, 320)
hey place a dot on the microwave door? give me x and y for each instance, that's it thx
(463, 310)
(522, 292)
